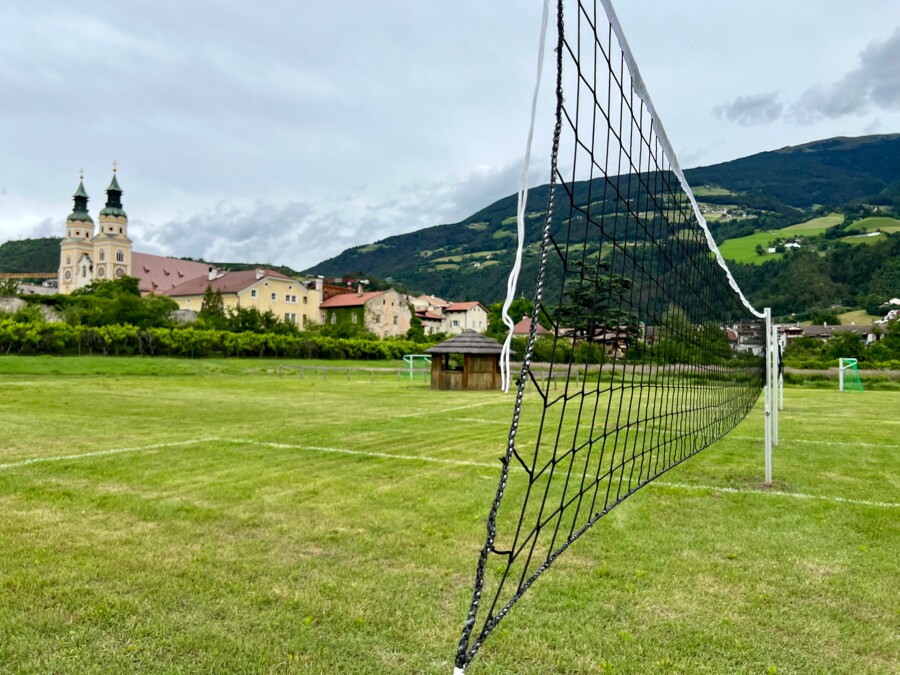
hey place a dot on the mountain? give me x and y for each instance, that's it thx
(471, 259)
(30, 255)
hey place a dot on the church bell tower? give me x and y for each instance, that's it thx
(76, 263)
(112, 247)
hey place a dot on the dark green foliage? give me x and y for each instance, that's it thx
(37, 337)
(104, 303)
(30, 255)
(865, 275)
(212, 309)
(518, 309)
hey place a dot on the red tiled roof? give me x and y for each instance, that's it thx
(229, 282)
(349, 300)
(463, 306)
(524, 328)
(425, 314)
(158, 274)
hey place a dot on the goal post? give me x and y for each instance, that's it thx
(848, 375)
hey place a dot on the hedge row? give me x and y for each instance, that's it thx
(62, 339)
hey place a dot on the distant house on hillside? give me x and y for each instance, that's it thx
(431, 322)
(826, 332)
(384, 313)
(523, 328)
(263, 289)
(460, 316)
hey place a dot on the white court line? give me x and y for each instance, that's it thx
(446, 410)
(362, 453)
(788, 440)
(683, 486)
(100, 453)
(775, 493)
(417, 458)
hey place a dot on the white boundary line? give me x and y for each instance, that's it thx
(421, 458)
(100, 453)
(446, 410)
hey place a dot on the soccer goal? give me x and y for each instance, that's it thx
(848, 375)
(653, 349)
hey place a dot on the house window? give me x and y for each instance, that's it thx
(253, 293)
(455, 323)
(396, 320)
(274, 297)
(120, 256)
(102, 255)
(378, 318)
(290, 317)
(354, 317)
(304, 299)
(333, 317)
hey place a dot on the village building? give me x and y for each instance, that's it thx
(523, 328)
(265, 290)
(384, 313)
(460, 316)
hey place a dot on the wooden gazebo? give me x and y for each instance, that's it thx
(466, 361)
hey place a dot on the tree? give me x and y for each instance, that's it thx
(212, 309)
(518, 309)
(9, 288)
(594, 302)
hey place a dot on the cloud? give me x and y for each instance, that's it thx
(300, 234)
(752, 109)
(875, 83)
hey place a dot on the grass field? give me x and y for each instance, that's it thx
(743, 249)
(875, 224)
(209, 516)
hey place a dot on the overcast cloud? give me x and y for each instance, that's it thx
(286, 131)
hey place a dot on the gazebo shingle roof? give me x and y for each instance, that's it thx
(467, 342)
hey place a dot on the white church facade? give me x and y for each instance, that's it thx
(86, 256)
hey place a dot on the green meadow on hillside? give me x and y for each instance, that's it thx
(166, 515)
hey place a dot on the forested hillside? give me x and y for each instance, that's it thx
(844, 179)
(30, 255)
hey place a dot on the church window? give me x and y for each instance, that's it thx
(120, 230)
(120, 256)
(68, 260)
(102, 255)
(84, 270)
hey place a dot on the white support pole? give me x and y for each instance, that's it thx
(840, 374)
(776, 385)
(768, 396)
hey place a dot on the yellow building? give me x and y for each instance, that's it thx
(86, 257)
(263, 289)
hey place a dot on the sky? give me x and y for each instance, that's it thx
(284, 131)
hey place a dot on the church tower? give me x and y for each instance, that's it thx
(112, 247)
(76, 263)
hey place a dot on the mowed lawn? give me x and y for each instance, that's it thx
(210, 516)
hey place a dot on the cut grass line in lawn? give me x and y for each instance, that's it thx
(776, 493)
(446, 410)
(112, 451)
(785, 439)
(364, 453)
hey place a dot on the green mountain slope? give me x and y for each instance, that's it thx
(771, 190)
(30, 255)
